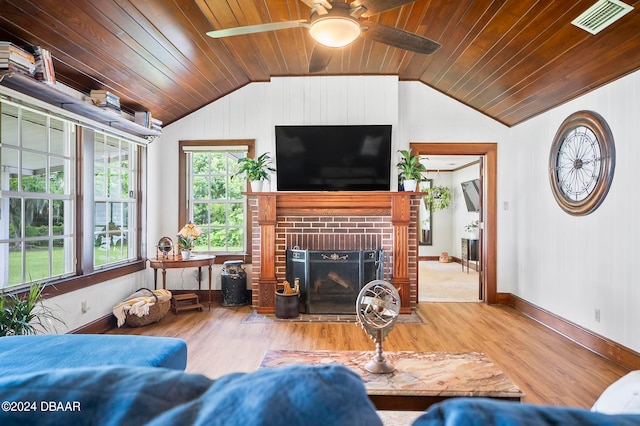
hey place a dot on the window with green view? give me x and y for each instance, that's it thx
(215, 201)
(37, 204)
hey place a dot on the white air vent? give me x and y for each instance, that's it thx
(601, 15)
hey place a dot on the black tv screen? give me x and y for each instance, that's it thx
(471, 192)
(333, 158)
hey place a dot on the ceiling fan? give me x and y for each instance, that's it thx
(337, 24)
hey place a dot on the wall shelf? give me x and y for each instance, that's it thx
(51, 95)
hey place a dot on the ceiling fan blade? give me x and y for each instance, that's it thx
(378, 6)
(252, 29)
(398, 38)
(320, 58)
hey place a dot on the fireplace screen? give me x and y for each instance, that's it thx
(331, 280)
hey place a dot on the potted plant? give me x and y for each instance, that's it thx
(255, 170)
(473, 229)
(438, 197)
(27, 314)
(410, 170)
(186, 245)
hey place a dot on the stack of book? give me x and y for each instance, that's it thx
(156, 124)
(145, 119)
(15, 59)
(44, 65)
(106, 100)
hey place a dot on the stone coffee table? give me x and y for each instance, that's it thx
(420, 378)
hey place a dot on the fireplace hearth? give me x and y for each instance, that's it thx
(344, 220)
(331, 280)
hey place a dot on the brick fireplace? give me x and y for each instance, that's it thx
(333, 221)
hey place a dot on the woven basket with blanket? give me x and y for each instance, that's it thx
(143, 307)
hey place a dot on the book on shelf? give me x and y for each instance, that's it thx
(44, 65)
(14, 58)
(105, 99)
(145, 119)
(12, 66)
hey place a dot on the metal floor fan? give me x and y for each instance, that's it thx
(377, 308)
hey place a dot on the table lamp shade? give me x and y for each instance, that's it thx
(190, 231)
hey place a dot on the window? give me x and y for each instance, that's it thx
(62, 219)
(37, 183)
(115, 189)
(214, 200)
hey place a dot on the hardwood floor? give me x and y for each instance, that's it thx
(547, 367)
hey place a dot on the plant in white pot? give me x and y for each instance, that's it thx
(186, 239)
(186, 245)
(473, 230)
(438, 197)
(410, 170)
(255, 170)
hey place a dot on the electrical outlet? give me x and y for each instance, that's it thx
(597, 315)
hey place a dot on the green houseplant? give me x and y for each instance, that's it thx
(438, 197)
(410, 170)
(186, 243)
(27, 314)
(255, 169)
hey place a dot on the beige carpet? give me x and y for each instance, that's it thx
(446, 282)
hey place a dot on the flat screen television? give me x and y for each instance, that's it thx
(471, 192)
(333, 158)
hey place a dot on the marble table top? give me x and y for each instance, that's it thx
(433, 374)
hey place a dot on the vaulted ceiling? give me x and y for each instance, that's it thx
(509, 59)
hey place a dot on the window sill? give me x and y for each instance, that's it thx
(67, 285)
(223, 257)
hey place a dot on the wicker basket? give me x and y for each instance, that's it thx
(156, 312)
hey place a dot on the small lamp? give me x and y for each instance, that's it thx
(188, 233)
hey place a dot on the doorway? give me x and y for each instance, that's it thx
(487, 246)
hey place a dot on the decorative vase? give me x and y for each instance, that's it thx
(410, 185)
(186, 254)
(256, 185)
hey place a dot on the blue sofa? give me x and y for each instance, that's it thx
(293, 395)
(27, 354)
(482, 412)
(133, 380)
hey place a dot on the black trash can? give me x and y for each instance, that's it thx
(234, 283)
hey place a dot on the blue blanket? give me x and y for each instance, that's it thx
(293, 395)
(482, 412)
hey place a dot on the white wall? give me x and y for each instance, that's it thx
(251, 113)
(574, 265)
(567, 265)
(100, 300)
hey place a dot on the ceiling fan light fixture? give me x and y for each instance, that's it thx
(333, 31)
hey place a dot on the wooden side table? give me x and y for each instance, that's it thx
(197, 261)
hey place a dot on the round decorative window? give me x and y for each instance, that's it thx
(581, 162)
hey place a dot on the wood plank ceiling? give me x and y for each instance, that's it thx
(509, 59)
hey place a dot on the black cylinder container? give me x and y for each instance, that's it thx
(234, 283)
